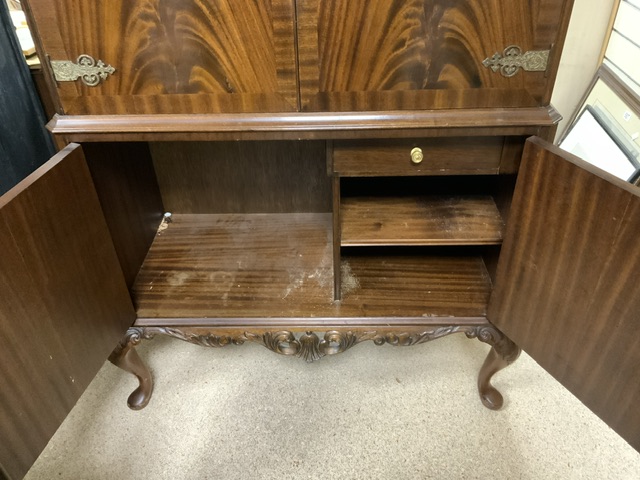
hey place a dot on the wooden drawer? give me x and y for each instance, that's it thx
(441, 156)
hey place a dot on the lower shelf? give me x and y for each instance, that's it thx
(263, 267)
(420, 220)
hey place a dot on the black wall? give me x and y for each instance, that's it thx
(24, 142)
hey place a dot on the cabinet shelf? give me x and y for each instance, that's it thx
(226, 268)
(420, 220)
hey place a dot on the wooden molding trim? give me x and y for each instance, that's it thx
(298, 325)
(301, 125)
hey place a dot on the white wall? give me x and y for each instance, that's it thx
(580, 58)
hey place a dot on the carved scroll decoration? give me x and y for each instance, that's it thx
(409, 339)
(502, 344)
(209, 340)
(312, 347)
(503, 354)
(309, 346)
(512, 60)
(85, 68)
(133, 337)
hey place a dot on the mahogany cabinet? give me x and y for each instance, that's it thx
(174, 56)
(412, 215)
(414, 54)
(215, 56)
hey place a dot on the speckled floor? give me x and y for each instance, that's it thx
(370, 413)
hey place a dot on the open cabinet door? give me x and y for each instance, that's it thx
(568, 282)
(64, 304)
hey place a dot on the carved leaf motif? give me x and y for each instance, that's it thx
(209, 340)
(311, 348)
(335, 342)
(408, 339)
(283, 342)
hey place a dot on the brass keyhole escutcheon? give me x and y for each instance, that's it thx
(416, 155)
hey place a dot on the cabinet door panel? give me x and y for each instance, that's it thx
(174, 56)
(423, 54)
(567, 288)
(64, 303)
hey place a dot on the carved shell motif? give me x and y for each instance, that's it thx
(311, 347)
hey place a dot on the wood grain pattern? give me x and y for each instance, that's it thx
(408, 54)
(295, 126)
(64, 303)
(243, 177)
(175, 56)
(126, 184)
(567, 287)
(426, 220)
(272, 266)
(442, 156)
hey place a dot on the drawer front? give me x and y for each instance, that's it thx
(427, 156)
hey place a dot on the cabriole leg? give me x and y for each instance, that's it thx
(125, 357)
(502, 354)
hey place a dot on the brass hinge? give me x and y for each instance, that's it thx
(512, 60)
(85, 68)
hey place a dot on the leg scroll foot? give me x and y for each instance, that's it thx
(502, 354)
(125, 357)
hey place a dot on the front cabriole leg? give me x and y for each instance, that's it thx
(125, 357)
(502, 354)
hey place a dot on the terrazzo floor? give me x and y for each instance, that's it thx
(369, 413)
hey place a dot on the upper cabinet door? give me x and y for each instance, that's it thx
(568, 283)
(170, 56)
(428, 54)
(64, 307)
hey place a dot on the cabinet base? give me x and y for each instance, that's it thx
(312, 347)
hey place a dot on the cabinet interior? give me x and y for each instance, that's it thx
(269, 229)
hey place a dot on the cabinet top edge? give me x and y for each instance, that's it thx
(310, 125)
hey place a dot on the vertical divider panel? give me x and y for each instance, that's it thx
(337, 274)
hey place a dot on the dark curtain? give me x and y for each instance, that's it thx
(24, 142)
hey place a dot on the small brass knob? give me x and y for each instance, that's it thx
(416, 155)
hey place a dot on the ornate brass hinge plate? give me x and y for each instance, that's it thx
(512, 60)
(85, 68)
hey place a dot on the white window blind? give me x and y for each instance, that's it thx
(623, 51)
